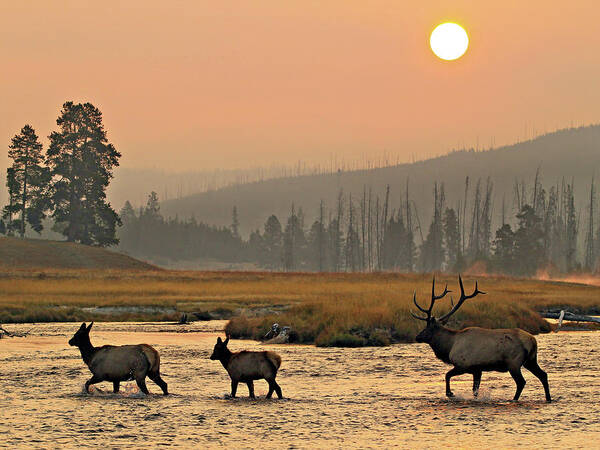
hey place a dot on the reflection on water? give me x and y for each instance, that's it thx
(373, 397)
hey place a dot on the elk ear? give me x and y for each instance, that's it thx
(82, 327)
(90, 327)
(227, 340)
(219, 341)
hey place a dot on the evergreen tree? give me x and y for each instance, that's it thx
(152, 209)
(272, 241)
(551, 236)
(321, 240)
(27, 181)
(590, 237)
(452, 240)
(151, 226)
(503, 259)
(127, 213)
(129, 233)
(570, 228)
(294, 244)
(81, 161)
(235, 223)
(290, 246)
(393, 241)
(529, 242)
(335, 238)
(352, 247)
(256, 244)
(315, 240)
(432, 250)
(9, 210)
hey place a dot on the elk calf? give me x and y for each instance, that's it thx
(247, 366)
(118, 363)
(475, 350)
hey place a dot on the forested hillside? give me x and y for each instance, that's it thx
(572, 154)
(450, 213)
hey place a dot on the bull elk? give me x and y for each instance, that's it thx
(118, 363)
(475, 350)
(248, 366)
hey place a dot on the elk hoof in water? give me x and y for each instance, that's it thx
(449, 394)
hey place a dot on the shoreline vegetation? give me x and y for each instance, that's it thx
(333, 309)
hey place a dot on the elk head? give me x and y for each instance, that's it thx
(220, 349)
(433, 323)
(82, 335)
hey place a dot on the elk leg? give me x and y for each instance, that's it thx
(234, 385)
(518, 377)
(271, 388)
(160, 382)
(116, 386)
(277, 389)
(91, 381)
(535, 369)
(476, 382)
(251, 389)
(452, 373)
(141, 382)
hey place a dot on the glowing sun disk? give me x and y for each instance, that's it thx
(449, 41)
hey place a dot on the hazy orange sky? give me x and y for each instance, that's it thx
(203, 84)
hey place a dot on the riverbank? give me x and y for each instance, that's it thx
(323, 309)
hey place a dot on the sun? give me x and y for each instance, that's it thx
(449, 41)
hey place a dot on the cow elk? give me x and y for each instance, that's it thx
(118, 363)
(475, 350)
(248, 366)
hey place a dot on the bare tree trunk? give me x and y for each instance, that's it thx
(340, 213)
(377, 234)
(369, 232)
(384, 225)
(589, 238)
(465, 214)
(320, 237)
(363, 207)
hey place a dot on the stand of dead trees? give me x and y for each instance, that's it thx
(537, 229)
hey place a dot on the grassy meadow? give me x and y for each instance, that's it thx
(325, 309)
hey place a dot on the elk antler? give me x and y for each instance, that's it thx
(462, 299)
(433, 299)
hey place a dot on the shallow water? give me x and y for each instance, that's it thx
(369, 397)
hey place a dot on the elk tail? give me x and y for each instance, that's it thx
(153, 358)
(274, 359)
(531, 351)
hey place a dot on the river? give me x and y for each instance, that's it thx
(367, 397)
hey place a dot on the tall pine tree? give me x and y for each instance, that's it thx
(27, 181)
(81, 161)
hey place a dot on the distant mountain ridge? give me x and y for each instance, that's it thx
(572, 153)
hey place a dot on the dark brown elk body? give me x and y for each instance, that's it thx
(246, 367)
(118, 363)
(475, 350)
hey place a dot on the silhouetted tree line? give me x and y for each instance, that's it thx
(147, 234)
(369, 234)
(67, 184)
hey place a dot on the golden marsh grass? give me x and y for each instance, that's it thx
(327, 309)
